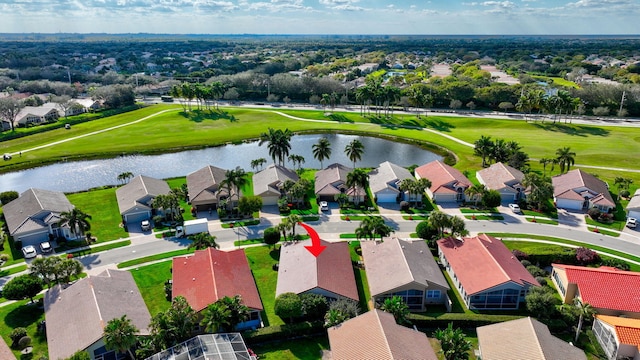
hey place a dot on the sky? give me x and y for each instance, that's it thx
(435, 17)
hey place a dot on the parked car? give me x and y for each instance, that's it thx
(324, 206)
(29, 252)
(67, 126)
(515, 208)
(145, 225)
(632, 223)
(45, 247)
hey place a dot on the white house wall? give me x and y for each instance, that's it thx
(569, 204)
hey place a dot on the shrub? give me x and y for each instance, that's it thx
(24, 342)
(520, 255)
(4, 257)
(425, 231)
(314, 306)
(17, 334)
(541, 280)
(8, 196)
(616, 263)
(594, 213)
(404, 206)
(271, 236)
(541, 302)
(349, 308)
(624, 193)
(586, 256)
(536, 271)
(288, 306)
(491, 198)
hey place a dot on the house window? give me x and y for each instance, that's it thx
(556, 277)
(433, 294)
(606, 339)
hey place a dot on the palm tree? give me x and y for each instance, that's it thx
(439, 220)
(215, 317)
(475, 192)
(168, 203)
(239, 311)
(407, 185)
(372, 226)
(584, 311)
(357, 179)
(125, 176)
(484, 148)
(77, 221)
(354, 151)
(545, 162)
(233, 181)
(453, 343)
(398, 308)
(566, 158)
(258, 163)
(540, 188)
(322, 150)
(296, 159)
(279, 143)
(458, 227)
(291, 221)
(120, 335)
(202, 241)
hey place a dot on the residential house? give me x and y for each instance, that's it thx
(268, 183)
(135, 199)
(504, 179)
(329, 274)
(88, 104)
(204, 188)
(525, 338)
(608, 290)
(619, 337)
(578, 190)
(447, 183)
(385, 180)
(485, 272)
(376, 335)
(35, 115)
(76, 315)
(406, 269)
(208, 346)
(209, 275)
(332, 181)
(633, 208)
(34, 216)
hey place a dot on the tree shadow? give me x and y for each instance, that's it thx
(438, 124)
(24, 315)
(203, 115)
(340, 118)
(573, 130)
(275, 253)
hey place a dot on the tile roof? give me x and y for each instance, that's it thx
(565, 185)
(138, 188)
(634, 203)
(483, 262)
(5, 351)
(209, 275)
(394, 263)
(28, 212)
(627, 330)
(375, 335)
(299, 271)
(268, 181)
(332, 180)
(386, 173)
(525, 338)
(605, 287)
(203, 184)
(77, 315)
(443, 177)
(500, 177)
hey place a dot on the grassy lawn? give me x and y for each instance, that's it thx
(467, 210)
(186, 208)
(361, 276)
(307, 348)
(102, 205)
(602, 231)
(556, 80)
(227, 225)
(22, 314)
(553, 214)
(415, 217)
(13, 270)
(147, 259)
(261, 260)
(484, 217)
(150, 280)
(95, 249)
(310, 175)
(542, 221)
(615, 225)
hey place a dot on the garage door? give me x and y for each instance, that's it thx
(634, 214)
(34, 239)
(137, 217)
(386, 198)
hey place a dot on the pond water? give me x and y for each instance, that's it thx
(83, 175)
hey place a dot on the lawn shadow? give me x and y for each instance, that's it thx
(203, 115)
(24, 315)
(573, 130)
(340, 118)
(438, 124)
(275, 253)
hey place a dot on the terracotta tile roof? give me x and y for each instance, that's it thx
(139, 188)
(28, 212)
(443, 177)
(375, 335)
(387, 176)
(500, 177)
(605, 287)
(524, 338)
(566, 186)
(627, 330)
(331, 180)
(268, 181)
(77, 315)
(394, 263)
(209, 275)
(299, 271)
(203, 184)
(5, 351)
(483, 262)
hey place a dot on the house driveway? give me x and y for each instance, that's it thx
(572, 218)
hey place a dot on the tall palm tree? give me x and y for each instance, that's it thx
(484, 148)
(125, 176)
(258, 163)
(233, 181)
(354, 151)
(322, 150)
(358, 179)
(120, 335)
(439, 220)
(279, 143)
(77, 221)
(566, 158)
(239, 311)
(398, 308)
(202, 241)
(475, 192)
(421, 186)
(407, 185)
(545, 162)
(169, 203)
(539, 187)
(454, 345)
(584, 311)
(215, 317)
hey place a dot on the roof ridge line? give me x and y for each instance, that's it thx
(496, 260)
(382, 330)
(213, 273)
(404, 260)
(537, 337)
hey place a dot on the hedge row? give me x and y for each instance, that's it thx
(283, 332)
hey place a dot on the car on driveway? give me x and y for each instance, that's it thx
(145, 225)
(29, 252)
(45, 247)
(632, 223)
(515, 208)
(324, 206)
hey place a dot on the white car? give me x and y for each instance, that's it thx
(515, 208)
(29, 252)
(324, 206)
(632, 223)
(45, 247)
(145, 225)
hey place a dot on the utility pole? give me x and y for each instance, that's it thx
(624, 96)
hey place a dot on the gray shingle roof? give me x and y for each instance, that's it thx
(385, 174)
(34, 208)
(203, 184)
(331, 180)
(137, 189)
(394, 263)
(77, 315)
(267, 181)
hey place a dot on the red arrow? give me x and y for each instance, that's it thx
(316, 248)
